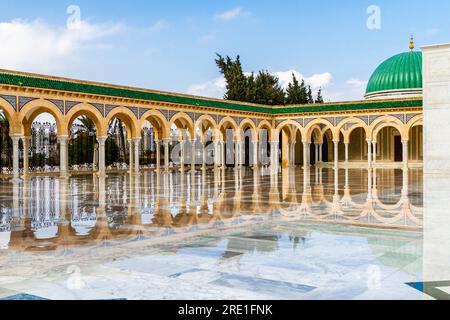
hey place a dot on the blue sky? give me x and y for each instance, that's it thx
(171, 45)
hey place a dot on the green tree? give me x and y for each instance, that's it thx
(296, 93)
(319, 98)
(234, 76)
(310, 98)
(268, 89)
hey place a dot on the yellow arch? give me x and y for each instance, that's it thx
(127, 117)
(90, 111)
(11, 116)
(248, 123)
(328, 125)
(224, 124)
(416, 121)
(36, 107)
(383, 122)
(158, 122)
(355, 124)
(294, 124)
(182, 121)
(210, 123)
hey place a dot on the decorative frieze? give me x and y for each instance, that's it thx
(23, 101)
(100, 107)
(12, 100)
(58, 103)
(70, 105)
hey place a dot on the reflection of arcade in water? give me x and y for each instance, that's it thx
(44, 214)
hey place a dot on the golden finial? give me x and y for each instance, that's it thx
(411, 44)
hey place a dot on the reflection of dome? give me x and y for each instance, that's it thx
(46, 233)
(398, 77)
(5, 237)
(82, 227)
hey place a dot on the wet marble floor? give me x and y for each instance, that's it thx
(230, 234)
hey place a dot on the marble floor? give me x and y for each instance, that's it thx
(229, 234)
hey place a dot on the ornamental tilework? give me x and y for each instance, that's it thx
(401, 117)
(307, 120)
(171, 114)
(331, 120)
(58, 103)
(100, 108)
(135, 111)
(364, 118)
(23, 101)
(70, 105)
(410, 116)
(373, 118)
(11, 100)
(299, 121)
(109, 108)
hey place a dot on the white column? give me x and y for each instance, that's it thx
(346, 152)
(405, 153)
(158, 155)
(374, 151)
(274, 155)
(320, 152)
(26, 153)
(137, 142)
(316, 152)
(255, 162)
(15, 155)
(204, 153)
(292, 154)
(193, 154)
(336, 154)
(182, 142)
(237, 151)
(217, 157)
(369, 152)
(222, 157)
(63, 156)
(166, 154)
(101, 156)
(306, 154)
(131, 154)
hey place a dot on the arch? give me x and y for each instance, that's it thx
(127, 117)
(294, 124)
(316, 123)
(90, 111)
(11, 116)
(416, 121)
(182, 121)
(158, 122)
(383, 122)
(248, 124)
(210, 123)
(225, 124)
(33, 108)
(354, 123)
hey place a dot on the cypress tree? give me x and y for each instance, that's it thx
(319, 98)
(294, 92)
(309, 96)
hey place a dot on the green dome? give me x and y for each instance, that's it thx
(402, 72)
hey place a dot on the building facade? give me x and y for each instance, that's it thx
(384, 129)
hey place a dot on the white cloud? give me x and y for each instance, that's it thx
(158, 26)
(356, 83)
(214, 88)
(352, 89)
(229, 15)
(316, 81)
(38, 47)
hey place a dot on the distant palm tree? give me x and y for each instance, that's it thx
(87, 124)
